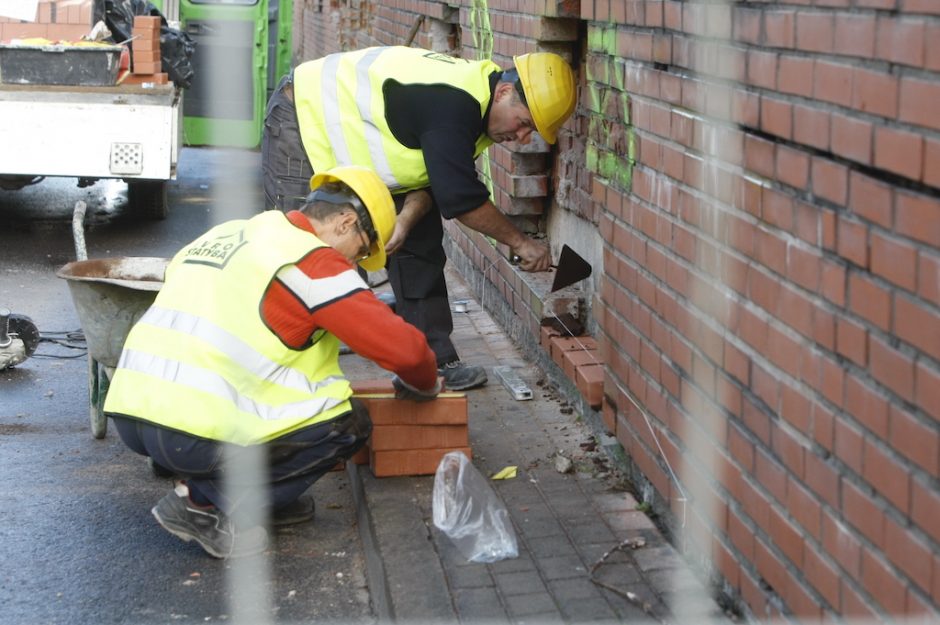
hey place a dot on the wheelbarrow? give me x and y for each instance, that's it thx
(110, 295)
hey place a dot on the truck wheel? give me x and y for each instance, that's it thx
(148, 198)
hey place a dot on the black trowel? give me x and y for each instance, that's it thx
(571, 269)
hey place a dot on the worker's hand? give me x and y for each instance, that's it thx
(533, 256)
(416, 205)
(399, 234)
(403, 390)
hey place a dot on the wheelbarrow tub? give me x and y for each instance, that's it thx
(110, 295)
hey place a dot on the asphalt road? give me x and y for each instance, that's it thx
(77, 541)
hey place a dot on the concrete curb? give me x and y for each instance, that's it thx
(403, 568)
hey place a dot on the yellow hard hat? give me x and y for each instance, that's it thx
(377, 201)
(548, 83)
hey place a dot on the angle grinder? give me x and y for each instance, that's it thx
(19, 338)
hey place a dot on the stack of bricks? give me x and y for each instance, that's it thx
(145, 51)
(581, 361)
(411, 438)
(62, 20)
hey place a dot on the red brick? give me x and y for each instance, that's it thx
(870, 301)
(759, 155)
(861, 510)
(832, 282)
(848, 444)
(853, 241)
(899, 152)
(901, 40)
(928, 272)
(892, 368)
(792, 167)
(854, 606)
(917, 325)
(447, 409)
(824, 577)
(814, 31)
(803, 604)
(547, 333)
(925, 508)
(372, 386)
(590, 381)
(875, 92)
(918, 217)
(560, 345)
(762, 69)
(933, 47)
(894, 260)
(851, 341)
(890, 477)
(882, 584)
(779, 28)
(832, 82)
(409, 462)
(855, 34)
(577, 358)
(916, 99)
(786, 537)
(851, 138)
(388, 437)
(927, 389)
(921, 6)
(871, 199)
(931, 162)
(361, 456)
(830, 180)
(811, 126)
(915, 440)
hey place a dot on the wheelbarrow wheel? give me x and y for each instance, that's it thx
(97, 390)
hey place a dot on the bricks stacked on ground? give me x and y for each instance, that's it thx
(145, 51)
(410, 438)
(580, 360)
(62, 20)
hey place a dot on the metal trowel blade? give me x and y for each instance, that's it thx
(571, 269)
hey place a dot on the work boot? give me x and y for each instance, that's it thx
(459, 376)
(300, 510)
(210, 527)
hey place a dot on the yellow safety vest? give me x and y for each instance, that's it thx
(341, 108)
(202, 361)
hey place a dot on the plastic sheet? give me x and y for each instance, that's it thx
(176, 47)
(470, 513)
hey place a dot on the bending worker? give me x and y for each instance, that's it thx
(419, 119)
(241, 349)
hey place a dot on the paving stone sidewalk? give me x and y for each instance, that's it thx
(565, 523)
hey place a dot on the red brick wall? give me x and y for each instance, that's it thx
(765, 178)
(771, 298)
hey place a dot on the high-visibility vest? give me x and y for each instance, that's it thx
(202, 361)
(341, 108)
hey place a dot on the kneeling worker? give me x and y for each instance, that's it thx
(240, 350)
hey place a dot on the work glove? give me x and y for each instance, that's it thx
(403, 390)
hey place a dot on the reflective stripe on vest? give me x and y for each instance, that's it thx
(342, 119)
(203, 354)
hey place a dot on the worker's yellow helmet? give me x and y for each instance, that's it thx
(548, 83)
(375, 198)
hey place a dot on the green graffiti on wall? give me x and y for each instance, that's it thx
(605, 86)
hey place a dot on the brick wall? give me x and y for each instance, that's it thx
(765, 183)
(770, 308)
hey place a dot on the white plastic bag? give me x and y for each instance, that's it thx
(470, 513)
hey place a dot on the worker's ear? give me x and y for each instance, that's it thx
(503, 90)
